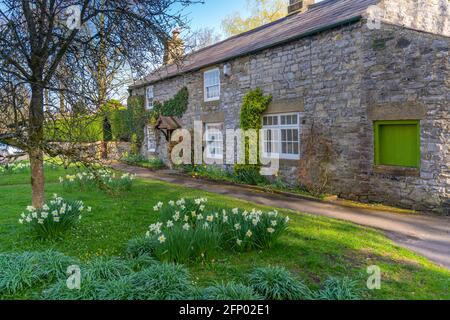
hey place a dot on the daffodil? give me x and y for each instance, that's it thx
(162, 239)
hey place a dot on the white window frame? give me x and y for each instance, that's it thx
(205, 86)
(148, 137)
(149, 106)
(277, 128)
(207, 139)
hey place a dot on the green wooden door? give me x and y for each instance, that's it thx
(397, 143)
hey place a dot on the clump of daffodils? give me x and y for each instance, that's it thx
(90, 180)
(15, 167)
(190, 221)
(54, 218)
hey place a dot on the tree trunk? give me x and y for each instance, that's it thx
(36, 154)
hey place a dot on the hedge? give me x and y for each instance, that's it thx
(114, 122)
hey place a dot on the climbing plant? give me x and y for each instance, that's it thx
(134, 119)
(253, 106)
(175, 107)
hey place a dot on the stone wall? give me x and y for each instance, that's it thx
(342, 80)
(307, 76)
(432, 16)
(407, 76)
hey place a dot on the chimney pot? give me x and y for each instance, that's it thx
(174, 50)
(299, 6)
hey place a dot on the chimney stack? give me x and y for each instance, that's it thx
(174, 50)
(299, 6)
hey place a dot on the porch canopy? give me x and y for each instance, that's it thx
(167, 125)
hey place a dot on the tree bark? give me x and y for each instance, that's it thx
(35, 152)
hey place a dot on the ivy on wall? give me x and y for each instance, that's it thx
(175, 107)
(253, 106)
(134, 119)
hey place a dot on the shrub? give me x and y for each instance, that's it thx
(213, 172)
(59, 291)
(142, 262)
(156, 282)
(140, 160)
(135, 119)
(249, 174)
(82, 128)
(117, 289)
(163, 281)
(140, 246)
(339, 289)
(135, 144)
(230, 291)
(94, 276)
(19, 271)
(54, 218)
(106, 269)
(276, 283)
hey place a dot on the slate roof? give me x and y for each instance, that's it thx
(320, 16)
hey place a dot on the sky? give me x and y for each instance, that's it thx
(212, 12)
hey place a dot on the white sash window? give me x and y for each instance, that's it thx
(214, 140)
(281, 136)
(211, 81)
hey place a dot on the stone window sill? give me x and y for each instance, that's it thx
(396, 171)
(209, 104)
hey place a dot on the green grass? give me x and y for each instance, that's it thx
(313, 248)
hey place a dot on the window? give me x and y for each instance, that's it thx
(211, 81)
(214, 140)
(151, 139)
(397, 143)
(149, 98)
(281, 136)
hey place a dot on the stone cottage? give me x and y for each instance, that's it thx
(369, 77)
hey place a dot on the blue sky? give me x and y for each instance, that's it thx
(212, 12)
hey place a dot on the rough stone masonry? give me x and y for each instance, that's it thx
(342, 80)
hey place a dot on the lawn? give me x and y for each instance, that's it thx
(313, 248)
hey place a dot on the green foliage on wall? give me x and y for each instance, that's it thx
(135, 118)
(255, 103)
(253, 106)
(85, 129)
(115, 113)
(175, 107)
(113, 122)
